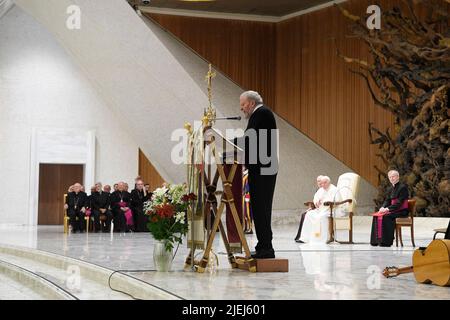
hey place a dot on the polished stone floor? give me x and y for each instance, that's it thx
(15, 291)
(334, 271)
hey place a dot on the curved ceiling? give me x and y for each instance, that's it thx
(274, 8)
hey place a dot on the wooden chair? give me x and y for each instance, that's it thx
(437, 231)
(406, 222)
(88, 220)
(66, 217)
(348, 184)
(102, 219)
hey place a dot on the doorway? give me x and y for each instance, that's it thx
(54, 180)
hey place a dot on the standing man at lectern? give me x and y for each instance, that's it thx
(261, 158)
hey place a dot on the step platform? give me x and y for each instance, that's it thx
(265, 265)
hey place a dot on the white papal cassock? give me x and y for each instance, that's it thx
(315, 227)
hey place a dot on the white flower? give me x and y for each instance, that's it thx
(180, 217)
(159, 192)
(176, 192)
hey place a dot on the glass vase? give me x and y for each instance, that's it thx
(161, 257)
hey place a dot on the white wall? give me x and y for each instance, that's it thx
(40, 86)
(5, 5)
(130, 69)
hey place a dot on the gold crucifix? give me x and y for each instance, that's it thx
(209, 76)
(209, 114)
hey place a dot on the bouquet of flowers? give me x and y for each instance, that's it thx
(167, 211)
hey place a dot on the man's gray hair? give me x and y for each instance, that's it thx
(326, 178)
(395, 172)
(253, 95)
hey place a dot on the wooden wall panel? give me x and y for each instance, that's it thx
(294, 65)
(317, 94)
(148, 172)
(243, 50)
(54, 181)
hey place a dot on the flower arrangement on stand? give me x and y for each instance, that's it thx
(167, 212)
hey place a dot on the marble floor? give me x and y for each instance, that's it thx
(334, 271)
(15, 291)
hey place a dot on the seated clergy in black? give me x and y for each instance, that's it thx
(138, 196)
(107, 189)
(100, 209)
(395, 206)
(89, 199)
(120, 202)
(261, 159)
(76, 203)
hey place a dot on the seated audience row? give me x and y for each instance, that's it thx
(125, 209)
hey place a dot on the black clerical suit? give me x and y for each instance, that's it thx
(101, 201)
(137, 206)
(399, 193)
(117, 197)
(262, 184)
(76, 202)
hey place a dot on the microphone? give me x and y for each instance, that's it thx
(238, 118)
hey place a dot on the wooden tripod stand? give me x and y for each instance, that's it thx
(226, 198)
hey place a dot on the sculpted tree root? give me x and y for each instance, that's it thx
(409, 76)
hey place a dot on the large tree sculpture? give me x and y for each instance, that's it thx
(409, 76)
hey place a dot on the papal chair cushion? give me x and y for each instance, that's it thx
(347, 186)
(342, 223)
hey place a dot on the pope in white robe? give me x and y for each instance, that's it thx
(316, 225)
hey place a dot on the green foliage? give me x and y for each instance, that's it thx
(167, 214)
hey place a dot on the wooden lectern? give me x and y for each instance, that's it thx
(214, 207)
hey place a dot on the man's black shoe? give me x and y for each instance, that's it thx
(264, 254)
(299, 241)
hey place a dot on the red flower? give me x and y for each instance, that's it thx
(165, 211)
(155, 219)
(189, 197)
(192, 196)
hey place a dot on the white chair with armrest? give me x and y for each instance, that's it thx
(347, 186)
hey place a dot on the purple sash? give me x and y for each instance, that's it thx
(380, 217)
(379, 226)
(402, 207)
(128, 213)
